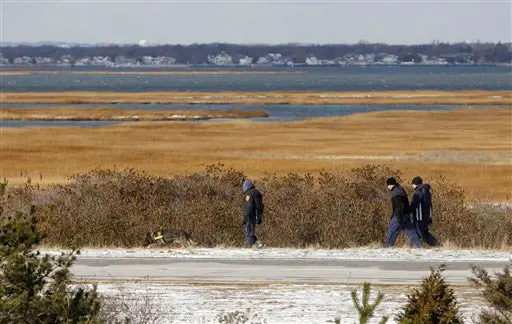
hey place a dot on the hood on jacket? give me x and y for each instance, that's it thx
(425, 186)
(247, 185)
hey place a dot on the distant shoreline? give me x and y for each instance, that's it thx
(100, 72)
(6, 68)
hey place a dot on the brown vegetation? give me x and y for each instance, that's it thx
(469, 146)
(499, 97)
(331, 210)
(118, 114)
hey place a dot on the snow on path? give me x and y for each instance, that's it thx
(377, 254)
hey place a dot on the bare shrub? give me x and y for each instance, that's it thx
(142, 308)
(239, 317)
(331, 210)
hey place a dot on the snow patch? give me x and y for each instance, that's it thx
(378, 254)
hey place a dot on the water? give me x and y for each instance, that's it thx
(352, 78)
(277, 112)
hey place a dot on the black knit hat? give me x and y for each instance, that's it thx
(417, 181)
(391, 182)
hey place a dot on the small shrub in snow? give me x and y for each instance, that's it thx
(497, 293)
(364, 308)
(433, 303)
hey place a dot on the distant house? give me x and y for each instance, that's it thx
(312, 60)
(273, 59)
(390, 59)
(220, 59)
(245, 61)
(23, 60)
(44, 60)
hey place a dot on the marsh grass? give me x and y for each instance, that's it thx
(117, 114)
(469, 146)
(427, 97)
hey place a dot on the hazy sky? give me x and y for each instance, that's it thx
(395, 22)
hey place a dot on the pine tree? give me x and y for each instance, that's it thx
(433, 303)
(34, 288)
(364, 308)
(497, 293)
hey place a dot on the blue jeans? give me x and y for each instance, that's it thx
(395, 229)
(250, 237)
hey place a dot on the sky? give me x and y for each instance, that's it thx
(261, 22)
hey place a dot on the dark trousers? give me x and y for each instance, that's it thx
(395, 228)
(425, 235)
(249, 230)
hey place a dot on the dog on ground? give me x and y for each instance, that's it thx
(167, 237)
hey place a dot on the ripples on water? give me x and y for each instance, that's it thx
(372, 78)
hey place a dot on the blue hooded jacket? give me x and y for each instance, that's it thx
(252, 203)
(247, 185)
(421, 204)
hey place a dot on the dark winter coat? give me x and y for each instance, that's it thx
(253, 206)
(400, 204)
(421, 204)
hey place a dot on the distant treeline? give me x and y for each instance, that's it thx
(198, 53)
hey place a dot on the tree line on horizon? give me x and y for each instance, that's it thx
(297, 53)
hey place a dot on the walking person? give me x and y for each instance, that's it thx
(421, 208)
(401, 219)
(253, 213)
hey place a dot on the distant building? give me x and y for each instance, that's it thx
(390, 59)
(220, 59)
(23, 60)
(247, 60)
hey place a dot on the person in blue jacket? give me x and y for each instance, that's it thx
(421, 209)
(253, 212)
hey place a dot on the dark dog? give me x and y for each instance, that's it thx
(167, 237)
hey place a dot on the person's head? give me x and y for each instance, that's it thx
(416, 181)
(247, 185)
(391, 182)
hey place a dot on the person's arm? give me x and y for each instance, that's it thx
(398, 210)
(258, 201)
(416, 200)
(248, 205)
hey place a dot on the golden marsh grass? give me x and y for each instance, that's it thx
(470, 146)
(318, 98)
(117, 114)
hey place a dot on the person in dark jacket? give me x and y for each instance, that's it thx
(401, 219)
(253, 212)
(421, 209)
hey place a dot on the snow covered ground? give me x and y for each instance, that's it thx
(273, 285)
(377, 254)
(264, 304)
